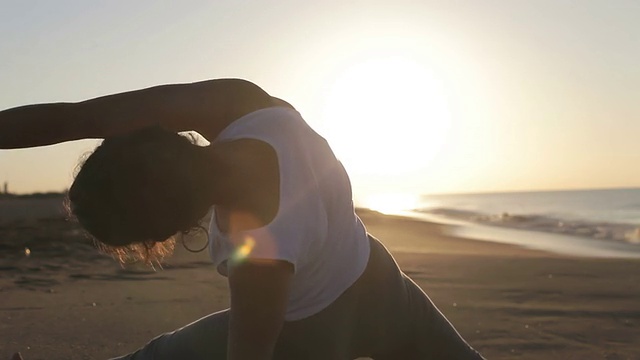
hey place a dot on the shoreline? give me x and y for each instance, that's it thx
(553, 243)
(426, 237)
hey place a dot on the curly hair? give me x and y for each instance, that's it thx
(136, 191)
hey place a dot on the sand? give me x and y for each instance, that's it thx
(66, 301)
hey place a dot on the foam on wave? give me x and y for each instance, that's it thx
(629, 233)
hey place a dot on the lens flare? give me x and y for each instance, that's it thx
(244, 250)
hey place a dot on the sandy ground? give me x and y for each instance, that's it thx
(66, 301)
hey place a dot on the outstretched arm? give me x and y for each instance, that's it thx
(206, 107)
(259, 292)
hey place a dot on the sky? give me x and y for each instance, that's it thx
(414, 96)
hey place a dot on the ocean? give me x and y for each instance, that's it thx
(604, 222)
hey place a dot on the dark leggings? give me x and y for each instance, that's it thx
(383, 315)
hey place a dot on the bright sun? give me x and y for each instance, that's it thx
(386, 116)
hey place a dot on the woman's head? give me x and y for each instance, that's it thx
(136, 191)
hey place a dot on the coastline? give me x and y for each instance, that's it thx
(66, 301)
(571, 245)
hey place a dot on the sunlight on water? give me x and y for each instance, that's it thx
(392, 203)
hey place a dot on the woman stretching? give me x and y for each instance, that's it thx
(306, 280)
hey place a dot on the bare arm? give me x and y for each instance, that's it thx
(206, 107)
(259, 292)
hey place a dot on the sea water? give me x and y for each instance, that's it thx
(603, 222)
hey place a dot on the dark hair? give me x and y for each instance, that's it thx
(135, 192)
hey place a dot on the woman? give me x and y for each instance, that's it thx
(306, 280)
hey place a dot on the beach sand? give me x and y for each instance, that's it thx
(66, 301)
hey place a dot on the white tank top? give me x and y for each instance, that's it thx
(315, 228)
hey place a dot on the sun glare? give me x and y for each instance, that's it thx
(386, 116)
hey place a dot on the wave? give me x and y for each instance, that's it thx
(629, 233)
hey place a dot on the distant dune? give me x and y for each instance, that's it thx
(31, 207)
